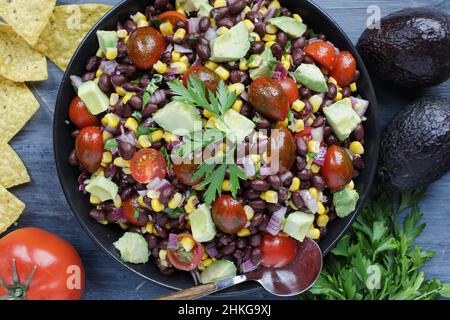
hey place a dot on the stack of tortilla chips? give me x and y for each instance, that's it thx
(33, 30)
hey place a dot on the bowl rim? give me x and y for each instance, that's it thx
(371, 174)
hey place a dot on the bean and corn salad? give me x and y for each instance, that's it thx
(251, 70)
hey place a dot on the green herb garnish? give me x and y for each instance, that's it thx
(256, 120)
(137, 115)
(136, 213)
(174, 213)
(151, 88)
(111, 144)
(143, 130)
(166, 156)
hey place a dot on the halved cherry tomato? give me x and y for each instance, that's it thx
(337, 168)
(267, 97)
(290, 89)
(133, 213)
(282, 142)
(305, 134)
(184, 172)
(228, 214)
(145, 46)
(79, 114)
(277, 251)
(172, 16)
(148, 164)
(209, 78)
(184, 260)
(89, 148)
(345, 68)
(323, 53)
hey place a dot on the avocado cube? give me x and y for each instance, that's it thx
(218, 270)
(342, 118)
(94, 98)
(292, 27)
(133, 248)
(179, 118)
(345, 201)
(202, 224)
(297, 224)
(232, 45)
(107, 40)
(235, 126)
(311, 77)
(102, 188)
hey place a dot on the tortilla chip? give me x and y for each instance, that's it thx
(18, 61)
(27, 17)
(12, 170)
(66, 29)
(17, 105)
(10, 209)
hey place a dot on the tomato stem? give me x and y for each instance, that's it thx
(17, 291)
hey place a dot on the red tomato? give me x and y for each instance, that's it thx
(209, 78)
(277, 251)
(290, 89)
(267, 97)
(305, 134)
(148, 164)
(145, 47)
(184, 260)
(184, 173)
(59, 272)
(323, 53)
(345, 68)
(337, 168)
(89, 148)
(79, 114)
(173, 16)
(132, 213)
(282, 142)
(228, 214)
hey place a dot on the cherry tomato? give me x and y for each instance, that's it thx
(228, 214)
(337, 168)
(323, 53)
(267, 97)
(305, 134)
(184, 260)
(145, 47)
(59, 272)
(89, 148)
(148, 164)
(184, 172)
(277, 251)
(172, 16)
(282, 142)
(345, 68)
(133, 213)
(79, 114)
(209, 78)
(290, 89)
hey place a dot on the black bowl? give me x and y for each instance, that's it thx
(105, 236)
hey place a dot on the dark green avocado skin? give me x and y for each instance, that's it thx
(411, 50)
(415, 148)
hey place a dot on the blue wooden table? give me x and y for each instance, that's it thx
(47, 207)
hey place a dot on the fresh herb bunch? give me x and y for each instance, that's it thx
(377, 259)
(211, 170)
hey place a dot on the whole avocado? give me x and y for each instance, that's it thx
(411, 50)
(415, 148)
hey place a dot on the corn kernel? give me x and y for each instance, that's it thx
(141, 202)
(138, 16)
(96, 81)
(244, 232)
(191, 203)
(237, 105)
(111, 53)
(157, 206)
(315, 168)
(131, 124)
(286, 62)
(179, 34)
(254, 61)
(313, 146)
(106, 158)
(271, 29)
(162, 254)
(188, 243)
(270, 196)
(213, 22)
(298, 105)
(166, 28)
(149, 227)
(156, 136)
(221, 31)
(99, 73)
(295, 185)
(249, 212)
(153, 194)
(292, 205)
(285, 122)
(121, 91)
(176, 56)
(122, 33)
(226, 185)
(175, 201)
(351, 185)
(106, 135)
(299, 125)
(127, 97)
(238, 88)
(265, 157)
(314, 192)
(313, 233)
(255, 158)
(338, 96)
(207, 114)
(113, 99)
(99, 172)
(250, 26)
(121, 163)
(143, 23)
(207, 262)
(179, 66)
(94, 200)
(170, 137)
(297, 17)
(322, 220)
(316, 101)
(204, 256)
(356, 147)
(223, 73)
(247, 9)
(126, 171)
(220, 3)
(160, 67)
(144, 141)
(211, 65)
(255, 36)
(263, 10)
(321, 209)
(353, 87)
(269, 37)
(269, 44)
(198, 187)
(184, 60)
(275, 4)
(243, 65)
(110, 120)
(123, 226)
(211, 123)
(103, 222)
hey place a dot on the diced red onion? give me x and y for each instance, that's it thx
(313, 40)
(244, 96)
(172, 72)
(279, 72)
(309, 201)
(157, 184)
(117, 215)
(182, 216)
(158, 96)
(286, 176)
(364, 105)
(266, 170)
(172, 244)
(212, 251)
(275, 222)
(173, 144)
(257, 6)
(197, 62)
(210, 34)
(249, 167)
(128, 136)
(350, 154)
(319, 158)
(82, 187)
(181, 49)
(317, 134)
(195, 276)
(76, 82)
(109, 67)
(169, 48)
(269, 14)
(193, 25)
(248, 266)
(142, 192)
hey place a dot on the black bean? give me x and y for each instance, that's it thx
(297, 200)
(257, 47)
(226, 22)
(305, 175)
(247, 253)
(257, 219)
(254, 16)
(318, 182)
(136, 102)
(326, 131)
(235, 7)
(283, 194)
(275, 182)
(125, 60)
(110, 170)
(358, 163)
(237, 76)
(126, 150)
(126, 70)
(323, 231)
(323, 37)
(263, 123)
(104, 83)
(259, 185)
(126, 192)
(306, 184)
(123, 110)
(229, 248)
(285, 12)
(332, 140)
(167, 194)
(282, 39)
(260, 29)
(219, 13)
(202, 40)
(255, 240)
(149, 110)
(305, 92)
(356, 76)
(355, 174)
(273, 207)
(97, 215)
(318, 122)
(161, 231)
(287, 180)
(297, 56)
(166, 57)
(359, 132)
(247, 110)
(251, 194)
(83, 177)
(121, 49)
(253, 230)
(203, 52)
(169, 39)
(191, 57)
(258, 205)
(74, 133)
(256, 256)
(152, 241)
(225, 239)
(73, 160)
(162, 219)
(92, 63)
(332, 91)
(302, 146)
(300, 163)
(117, 80)
(130, 26)
(204, 24)
(277, 51)
(131, 87)
(241, 243)
(180, 25)
(157, 145)
(299, 43)
(308, 60)
(346, 92)
(150, 12)
(161, 4)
